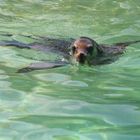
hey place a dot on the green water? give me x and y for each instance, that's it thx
(68, 103)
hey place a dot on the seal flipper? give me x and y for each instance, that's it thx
(42, 65)
(15, 43)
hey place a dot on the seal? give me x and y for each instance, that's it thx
(82, 51)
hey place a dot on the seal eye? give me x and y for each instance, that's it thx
(89, 50)
(73, 49)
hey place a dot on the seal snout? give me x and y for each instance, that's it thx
(81, 58)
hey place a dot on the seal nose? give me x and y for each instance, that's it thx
(81, 55)
(81, 58)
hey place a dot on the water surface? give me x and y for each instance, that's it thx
(70, 103)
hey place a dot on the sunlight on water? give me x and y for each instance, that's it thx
(69, 103)
(60, 79)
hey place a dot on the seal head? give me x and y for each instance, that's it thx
(83, 50)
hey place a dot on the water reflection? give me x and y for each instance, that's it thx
(98, 103)
(53, 77)
(11, 95)
(54, 134)
(76, 119)
(60, 79)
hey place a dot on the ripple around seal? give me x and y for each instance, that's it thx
(53, 77)
(75, 83)
(125, 5)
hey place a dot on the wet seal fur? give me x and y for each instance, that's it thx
(83, 51)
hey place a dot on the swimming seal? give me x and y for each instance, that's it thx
(84, 51)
